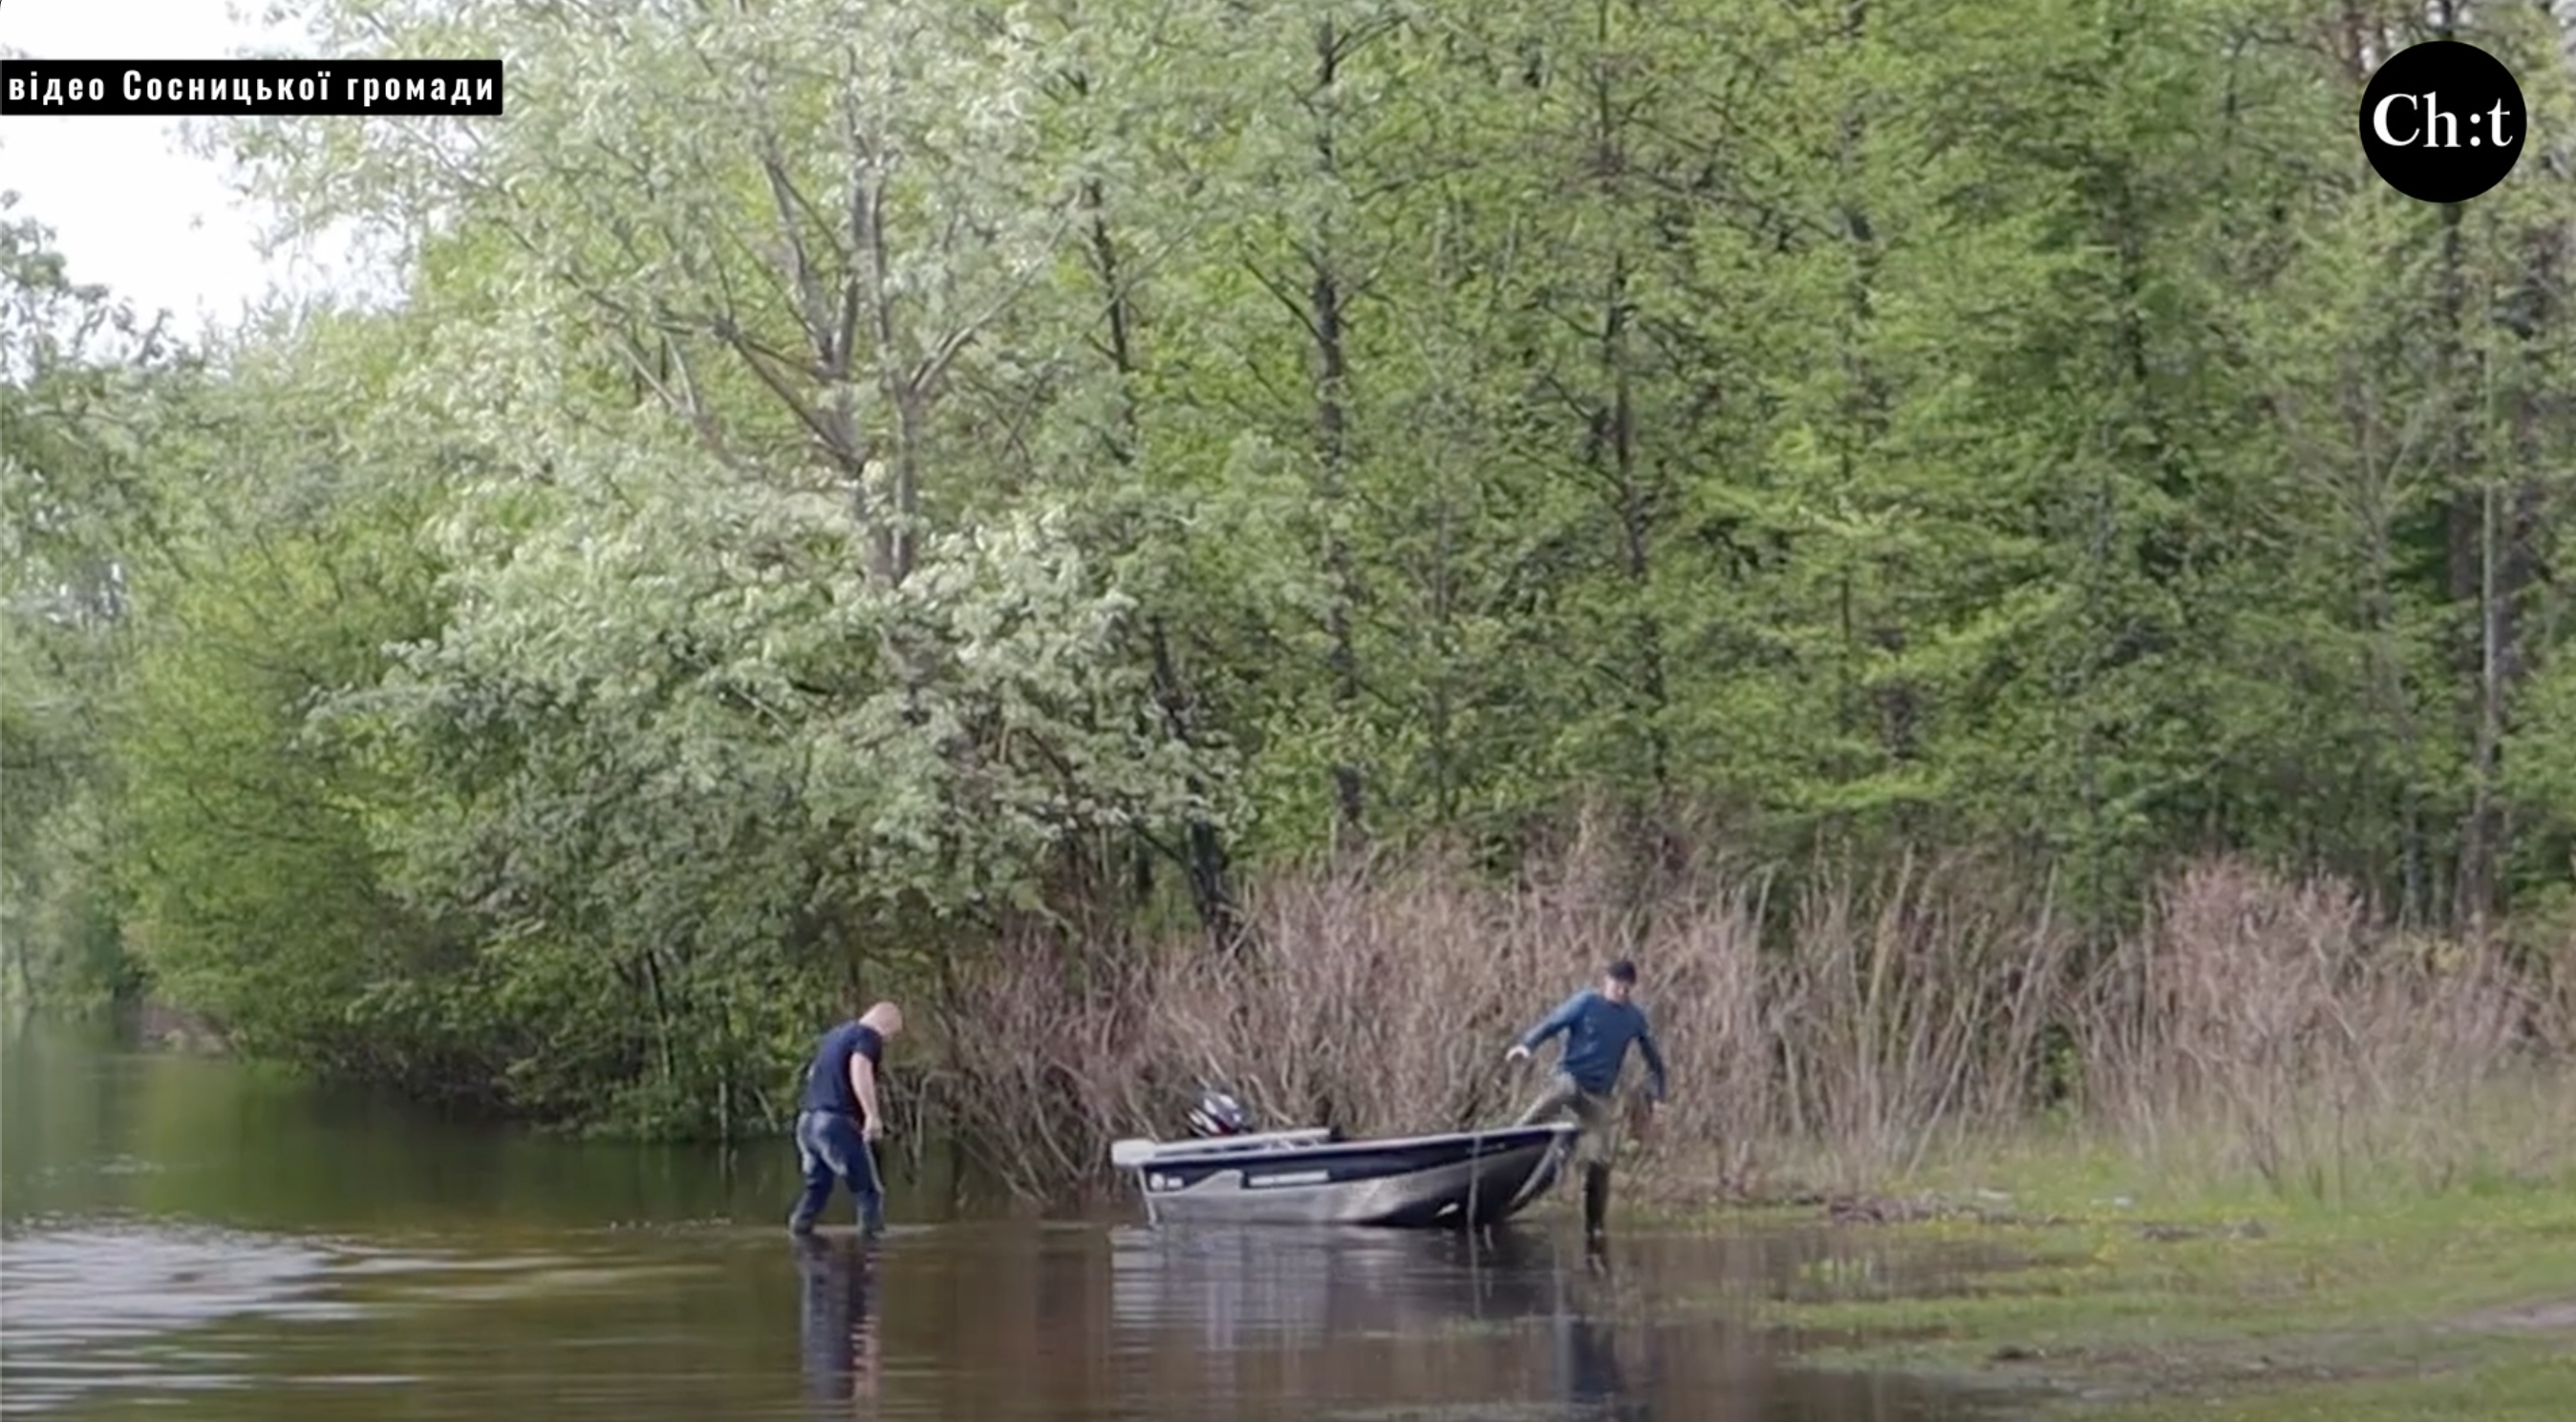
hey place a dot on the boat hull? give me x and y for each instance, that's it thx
(1458, 1181)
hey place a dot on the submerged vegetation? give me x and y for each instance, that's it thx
(2138, 1295)
(1217, 538)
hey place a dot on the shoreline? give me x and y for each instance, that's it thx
(2198, 1299)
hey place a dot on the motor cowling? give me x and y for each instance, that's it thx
(1218, 1114)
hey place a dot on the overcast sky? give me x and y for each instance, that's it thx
(128, 205)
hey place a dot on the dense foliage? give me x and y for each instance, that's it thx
(850, 479)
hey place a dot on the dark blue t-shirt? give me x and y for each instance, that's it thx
(827, 1079)
(1597, 1036)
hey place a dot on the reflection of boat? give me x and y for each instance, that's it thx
(1311, 1177)
(1240, 1288)
(1440, 1319)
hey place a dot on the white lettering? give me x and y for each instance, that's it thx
(2433, 115)
(2379, 120)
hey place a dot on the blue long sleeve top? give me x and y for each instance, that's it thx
(1597, 1035)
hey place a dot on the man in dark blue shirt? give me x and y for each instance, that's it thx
(1599, 1025)
(838, 1122)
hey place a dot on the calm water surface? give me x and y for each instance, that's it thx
(185, 1238)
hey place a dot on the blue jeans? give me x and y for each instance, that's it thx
(829, 1147)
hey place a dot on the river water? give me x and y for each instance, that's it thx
(189, 1238)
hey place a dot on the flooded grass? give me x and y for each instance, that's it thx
(2117, 1292)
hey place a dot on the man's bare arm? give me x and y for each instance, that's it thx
(863, 1083)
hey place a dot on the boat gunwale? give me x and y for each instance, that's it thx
(1193, 1152)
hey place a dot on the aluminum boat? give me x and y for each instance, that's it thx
(1310, 1176)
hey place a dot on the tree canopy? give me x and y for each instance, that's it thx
(845, 479)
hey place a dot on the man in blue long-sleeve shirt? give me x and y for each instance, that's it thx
(1599, 1025)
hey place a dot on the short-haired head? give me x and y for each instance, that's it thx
(1618, 980)
(883, 1016)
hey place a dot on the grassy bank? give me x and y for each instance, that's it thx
(2150, 1289)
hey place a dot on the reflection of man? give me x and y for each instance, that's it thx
(1595, 1385)
(1588, 1369)
(1591, 1365)
(838, 1320)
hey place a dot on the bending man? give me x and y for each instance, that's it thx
(838, 1122)
(1599, 1024)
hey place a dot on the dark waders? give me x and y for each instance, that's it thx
(1596, 1118)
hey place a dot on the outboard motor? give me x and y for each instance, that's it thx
(1218, 1114)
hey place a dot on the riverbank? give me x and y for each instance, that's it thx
(2134, 1295)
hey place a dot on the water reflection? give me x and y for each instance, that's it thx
(88, 1309)
(187, 1233)
(837, 1325)
(1522, 1323)
(1588, 1358)
(1243, 1288)
(986, 1321)
(89, 1128)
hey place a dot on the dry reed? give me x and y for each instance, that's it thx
(1849, 1031)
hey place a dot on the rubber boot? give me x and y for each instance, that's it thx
(1596, 1200)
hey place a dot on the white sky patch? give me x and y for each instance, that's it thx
(129, 206)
